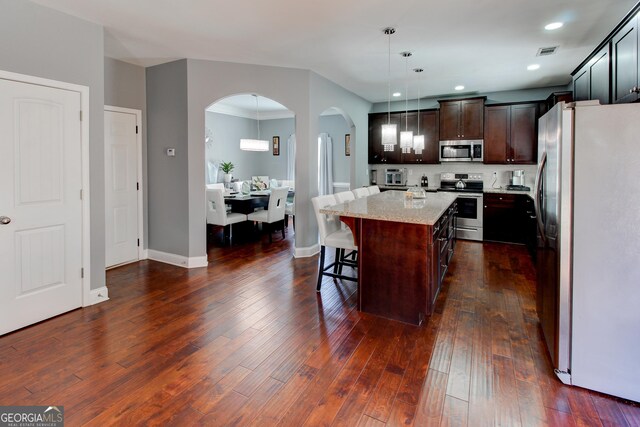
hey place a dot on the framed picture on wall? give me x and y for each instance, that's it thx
(276, 145)
(347, 144)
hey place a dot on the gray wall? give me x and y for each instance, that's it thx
(227, 132)
(276, 166)
(168, 176)
(304, 93)
(125, 86)
(538, 94)
(42, 42)
(336, 126)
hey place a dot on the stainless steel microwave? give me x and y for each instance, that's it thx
(461, 151)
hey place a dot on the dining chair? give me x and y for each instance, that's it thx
(290, 211)
(274, 213)
(217, 213)
(373, 189)
(344, 196)
(360, 192)
(333, 236)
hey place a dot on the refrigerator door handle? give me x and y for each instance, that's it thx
(538, 190)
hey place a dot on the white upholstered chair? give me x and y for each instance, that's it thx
(374, 189)
(360, 192)
(344, 196)
(217, 185)
(290, 211)
(217, 213)
(274, 213)
(332, 235)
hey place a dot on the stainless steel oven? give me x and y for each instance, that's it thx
(469, 225)
(468, 187)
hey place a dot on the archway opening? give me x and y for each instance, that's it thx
(336, 141)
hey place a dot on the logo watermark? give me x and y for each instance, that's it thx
(31, 416)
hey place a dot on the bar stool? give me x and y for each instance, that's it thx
(333, 236)
(360, 192)
(374, 189)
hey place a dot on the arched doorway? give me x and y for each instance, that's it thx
(335, 151)
(268, 158)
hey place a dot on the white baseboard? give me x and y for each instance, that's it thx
(178, 260)
(144, 254)
(306, 252)
(98, 295)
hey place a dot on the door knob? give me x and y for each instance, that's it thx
(4, 220)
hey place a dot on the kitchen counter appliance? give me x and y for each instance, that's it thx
(395, 177)
(461, 151)
(589, 244)
(470, 202)
(517, 177)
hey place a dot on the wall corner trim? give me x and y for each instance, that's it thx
(307, 252)
(98, 295)
(178, 260)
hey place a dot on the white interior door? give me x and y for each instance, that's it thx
(121, 187)
(40, 203)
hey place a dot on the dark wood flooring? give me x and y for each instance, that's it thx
(247, 341)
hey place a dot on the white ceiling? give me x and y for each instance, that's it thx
(485, 45)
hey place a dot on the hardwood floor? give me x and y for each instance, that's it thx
(248, 341)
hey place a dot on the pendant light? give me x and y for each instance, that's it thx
(406, 136)
(389, 131)
(255, 144)
(418, 140)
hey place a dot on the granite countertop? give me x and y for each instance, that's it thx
(502, 190)
(406, 187)
(393, 206)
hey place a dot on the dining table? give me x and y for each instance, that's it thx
(247, 203)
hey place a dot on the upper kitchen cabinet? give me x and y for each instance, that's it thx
(429, 127)
(593, 80)
(611, 74)
(376, 149)
(511, 133)
(624, 63)
(462, 119)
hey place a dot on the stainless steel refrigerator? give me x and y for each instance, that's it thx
(587, 198)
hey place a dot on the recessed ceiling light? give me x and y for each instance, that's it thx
(397, 94)
(553, 26)
(459, 87)
(533, 67)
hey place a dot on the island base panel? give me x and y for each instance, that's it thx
(394, 270)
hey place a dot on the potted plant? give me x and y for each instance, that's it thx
(227, 167)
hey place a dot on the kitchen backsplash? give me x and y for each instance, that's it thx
(414, 172)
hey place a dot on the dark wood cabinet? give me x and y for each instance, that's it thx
(511, 133)
(503, 218)
(624, 63)
(430, 129)
(462, 119)
(377, 154)
(497, 123)
(581, 85)
(593, 80)
(600, 76)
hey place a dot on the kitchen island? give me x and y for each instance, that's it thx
(404, 249)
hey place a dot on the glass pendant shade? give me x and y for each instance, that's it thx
(389, 136)
(418, 144)
(254, 145)
(249, 144)
(406, 141)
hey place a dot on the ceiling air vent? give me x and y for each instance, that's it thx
(545, 51)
